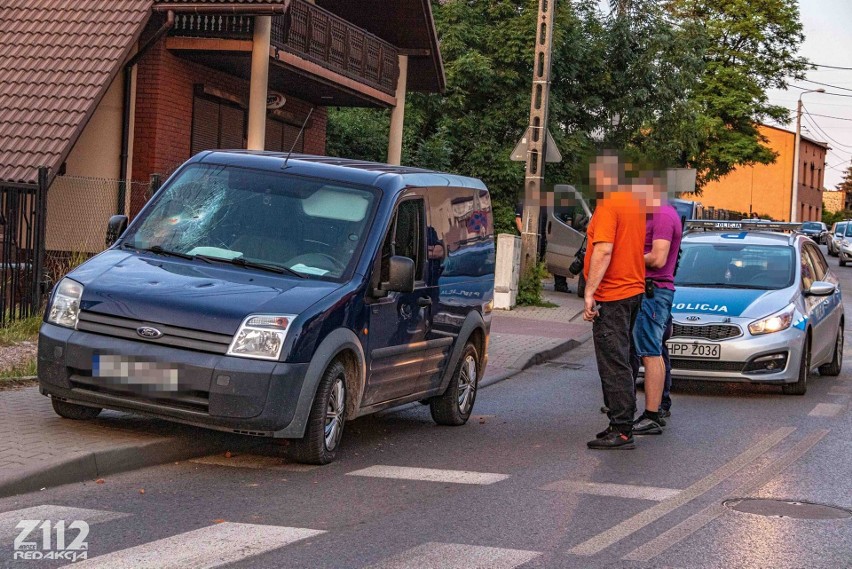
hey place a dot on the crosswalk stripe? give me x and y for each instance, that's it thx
(453, 556)
(8, 520)
(430, 474)
(615, 490)
(826, 410)
(207, 547)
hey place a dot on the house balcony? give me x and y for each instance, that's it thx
(315, 55)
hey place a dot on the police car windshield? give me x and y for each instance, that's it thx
(729, 265)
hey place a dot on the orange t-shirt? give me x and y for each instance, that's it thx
(619, 219)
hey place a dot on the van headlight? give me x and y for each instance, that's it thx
(261, 336)
(781, 320)
(65, 304)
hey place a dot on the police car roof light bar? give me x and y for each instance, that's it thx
(746, 225)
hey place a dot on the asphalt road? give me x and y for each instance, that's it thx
(516, 487)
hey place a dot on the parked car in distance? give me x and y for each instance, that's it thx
(280, 298)
(754, 305)
(837, 233)
(844, 245)
(816, 230)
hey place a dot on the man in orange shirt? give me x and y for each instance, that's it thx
(614, 269)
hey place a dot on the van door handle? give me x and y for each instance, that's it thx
(424, 301)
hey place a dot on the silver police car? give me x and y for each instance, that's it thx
(754, 304)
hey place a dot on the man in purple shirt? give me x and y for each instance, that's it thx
(663, 234)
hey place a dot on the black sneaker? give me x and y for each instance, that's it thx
(604, 409)
(613, 440)
(605, 432)
(665, 413)
(645, 426)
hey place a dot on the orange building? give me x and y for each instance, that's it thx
(765, 188)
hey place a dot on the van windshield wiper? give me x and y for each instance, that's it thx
(159, 251)
(241, 262)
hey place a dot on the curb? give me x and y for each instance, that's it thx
(94, 465)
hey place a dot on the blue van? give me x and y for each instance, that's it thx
(280, 298)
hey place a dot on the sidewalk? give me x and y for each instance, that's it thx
(40, 449)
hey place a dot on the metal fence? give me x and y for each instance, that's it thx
(46, 232)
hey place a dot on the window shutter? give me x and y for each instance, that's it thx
(205, 125)
(273, 135)
(232, 127)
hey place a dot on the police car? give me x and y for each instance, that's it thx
(754, 304)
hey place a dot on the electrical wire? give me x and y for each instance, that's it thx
(832, 67)
(814, 125)
(827, 85)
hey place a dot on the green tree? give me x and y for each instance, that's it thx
(749, 48)
(846, 183)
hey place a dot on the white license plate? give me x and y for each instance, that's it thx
(122, 370)
(694, 351)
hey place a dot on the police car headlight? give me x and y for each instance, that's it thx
(781, 320)
(65, 304)
(261, 336)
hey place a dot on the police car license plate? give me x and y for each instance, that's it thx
(694, 351)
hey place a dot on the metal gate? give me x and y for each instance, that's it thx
(22, 225)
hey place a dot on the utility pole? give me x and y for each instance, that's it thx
(539, 107)
(797, 141)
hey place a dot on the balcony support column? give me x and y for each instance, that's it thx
(398, 114)
(259, 86)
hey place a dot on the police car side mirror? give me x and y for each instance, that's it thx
(400, 275)
(821, 288)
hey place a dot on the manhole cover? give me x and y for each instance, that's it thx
(787, 509)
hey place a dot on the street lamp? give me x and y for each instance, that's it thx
(794, 199)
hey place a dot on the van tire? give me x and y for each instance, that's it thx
(581, 285)
(327, 412)
(453, 408)
(73, 411)
(560, 284)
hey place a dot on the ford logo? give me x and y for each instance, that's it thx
(149, 333)
(693, 318)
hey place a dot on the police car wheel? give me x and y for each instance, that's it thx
(801, 386)
(834, 366)
(73, 411)
(453, 408)
(326, 420)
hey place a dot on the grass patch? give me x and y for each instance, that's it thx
(20, 331)
(530, 287)
(21, 370)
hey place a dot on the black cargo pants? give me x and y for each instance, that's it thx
(612, 331)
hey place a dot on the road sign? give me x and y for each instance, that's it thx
(519, 154)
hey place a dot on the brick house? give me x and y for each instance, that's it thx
(105, 93)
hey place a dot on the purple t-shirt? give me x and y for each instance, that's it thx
(664, 224)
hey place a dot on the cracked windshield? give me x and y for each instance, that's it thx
(251, 218)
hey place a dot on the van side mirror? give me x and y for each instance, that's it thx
(400, 275)
(115, 227)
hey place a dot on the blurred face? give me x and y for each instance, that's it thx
(604, 175)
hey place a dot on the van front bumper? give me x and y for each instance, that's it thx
(215, 391)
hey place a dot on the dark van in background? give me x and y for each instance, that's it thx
(280, 298)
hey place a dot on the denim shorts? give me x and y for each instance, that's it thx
(651, 323)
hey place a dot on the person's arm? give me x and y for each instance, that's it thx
(598, 265)
(659, 254)
(519, 223)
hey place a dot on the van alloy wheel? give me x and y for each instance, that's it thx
(454, 406)
(467, 384)
(334, 417)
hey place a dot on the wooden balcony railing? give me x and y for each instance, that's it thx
(313, 34)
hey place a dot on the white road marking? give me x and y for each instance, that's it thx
(615, 490)
(253, 461)
(453, 556)
(430, 475)
(207, 547)
(630, 526)
(697, 521)
(8, 520)
(826, 410)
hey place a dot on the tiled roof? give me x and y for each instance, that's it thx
(57, 58)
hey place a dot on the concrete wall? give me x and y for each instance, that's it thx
(765, 189)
